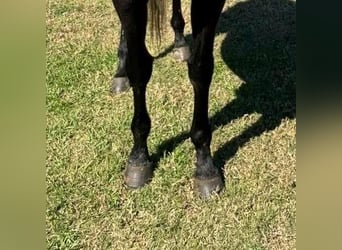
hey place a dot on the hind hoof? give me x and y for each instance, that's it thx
(205, 188)
(181, 53)
(120, 85)
(137, 176)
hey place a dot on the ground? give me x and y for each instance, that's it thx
(252, 110)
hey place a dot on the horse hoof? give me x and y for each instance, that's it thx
(207, 187)
(137, 176)
(120, 85)
(181, 53)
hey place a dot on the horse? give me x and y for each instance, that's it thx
(135, 68)
(181, 50)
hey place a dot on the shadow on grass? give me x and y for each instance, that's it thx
(259, 47)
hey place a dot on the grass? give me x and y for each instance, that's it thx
(252, 109)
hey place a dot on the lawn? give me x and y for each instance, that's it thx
(253, 116)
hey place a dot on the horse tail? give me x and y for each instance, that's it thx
(157, 10)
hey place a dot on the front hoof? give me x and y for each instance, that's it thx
(181, 53)
(207, 187)
(120, 85)
(137, 176)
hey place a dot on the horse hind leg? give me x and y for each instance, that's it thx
(120, 82)
(181, 51)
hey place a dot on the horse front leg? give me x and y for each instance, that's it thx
(133, 17)
(204, 15)
(181, 49)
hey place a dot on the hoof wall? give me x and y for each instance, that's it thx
(182, 53)
(120, 85)
(207, 187)
(137, 176)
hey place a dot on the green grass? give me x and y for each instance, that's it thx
(252, 105)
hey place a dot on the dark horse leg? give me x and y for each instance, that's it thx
(120, 81)
(181, 48)
(133, 17)
(204, 17)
